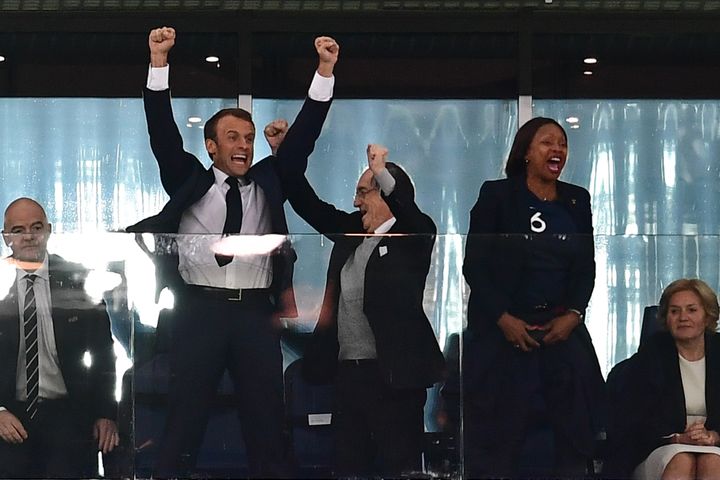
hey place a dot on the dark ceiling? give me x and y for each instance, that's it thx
(363, 5)
(414, 49)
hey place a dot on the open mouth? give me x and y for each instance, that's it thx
(239, 158)
(554, 164)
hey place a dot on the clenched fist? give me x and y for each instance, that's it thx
(160, 41)
(275, 133)
(377, 156)
(328, 51)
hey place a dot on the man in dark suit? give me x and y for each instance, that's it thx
(225, 305)
(57, 365)
(373, 336)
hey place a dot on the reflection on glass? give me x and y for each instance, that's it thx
(651, 166)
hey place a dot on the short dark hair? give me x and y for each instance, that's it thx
(403, 182)
(516, 165)
(210, 129)
(707, 297)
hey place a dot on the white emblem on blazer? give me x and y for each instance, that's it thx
(383, 250)
(537, 224)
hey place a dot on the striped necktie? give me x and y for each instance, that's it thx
(31, 347)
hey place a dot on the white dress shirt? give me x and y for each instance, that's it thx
(206, 218)
(201, 222)
(51, 381)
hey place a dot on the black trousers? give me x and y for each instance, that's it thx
(523, 396)
(379, 429)
(211, 335)
(59, 444)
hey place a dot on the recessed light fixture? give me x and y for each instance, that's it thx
(2, 59)
(212, 59)
(590, 60)
(572, 119)
(587, 72)
(194, 119)
(188, 125)
(575, 126)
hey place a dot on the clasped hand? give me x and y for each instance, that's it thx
(517, 331)
(697, 434)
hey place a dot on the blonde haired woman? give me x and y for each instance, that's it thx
(674, 398)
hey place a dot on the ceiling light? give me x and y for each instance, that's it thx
(2, 59)
(212, 59)
(590, 60)
(575, 126)
(194, 119)
(572, 119)
(587, 72)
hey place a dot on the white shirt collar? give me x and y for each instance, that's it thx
(43, 271)
(221, 176)
(386, 226)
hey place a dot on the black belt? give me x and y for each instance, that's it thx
(243, 295)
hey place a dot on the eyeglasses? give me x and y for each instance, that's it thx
(362, 192)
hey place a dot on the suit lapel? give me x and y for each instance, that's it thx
(712, 368)
(10, 323)
(674, 379)
(264, 176)
(58, 281)
(519, 211)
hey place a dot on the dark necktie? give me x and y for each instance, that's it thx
(233, 218)
(31, 346)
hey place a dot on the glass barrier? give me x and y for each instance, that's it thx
(316, 384)
(254, 370)
(91, 167)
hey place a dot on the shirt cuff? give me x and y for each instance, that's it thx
(321, 88)
(158, 78)
(386, 181)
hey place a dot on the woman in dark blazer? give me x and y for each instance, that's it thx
(669, 418)
(528, 358)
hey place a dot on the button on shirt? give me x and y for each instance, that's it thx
(206, 218)
(199, 226)
(51, 383)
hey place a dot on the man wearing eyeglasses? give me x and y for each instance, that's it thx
(57, 365)
(373, 338)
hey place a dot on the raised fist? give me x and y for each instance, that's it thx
(327, 49)
(275, 133)
(161, 40)
(377, 156)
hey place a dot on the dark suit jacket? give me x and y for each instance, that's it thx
(186, 180)
(496, 251)
(80, 326)
(408, 352)
(496, 255)
(652, 404)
